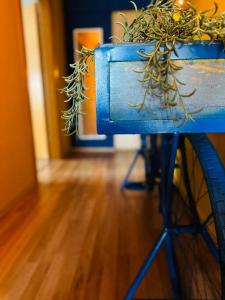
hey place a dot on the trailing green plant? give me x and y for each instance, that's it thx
(75, 90)
(165, 25)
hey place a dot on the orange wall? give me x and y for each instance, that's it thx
(217, 139)
(17, 166)
(205, 4)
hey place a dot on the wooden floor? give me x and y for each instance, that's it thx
(79, 238)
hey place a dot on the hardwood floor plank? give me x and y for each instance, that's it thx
(78, 237)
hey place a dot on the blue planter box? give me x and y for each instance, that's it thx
(117, 86)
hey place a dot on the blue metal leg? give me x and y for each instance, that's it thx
(146, 266)
(149, 153)
(126, 180)
(172, 267)
(168, 159)
(169, 149)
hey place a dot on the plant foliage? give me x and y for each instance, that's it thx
(75, 90)
(166, 25)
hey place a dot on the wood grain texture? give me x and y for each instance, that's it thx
(77, 237)
(207, 77)
(117, 86)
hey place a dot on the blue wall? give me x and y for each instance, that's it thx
(92, 13)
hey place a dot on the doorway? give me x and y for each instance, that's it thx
(35, 81)
(88, 137)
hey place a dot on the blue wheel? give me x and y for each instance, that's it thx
(198, 203)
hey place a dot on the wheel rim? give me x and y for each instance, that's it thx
(198, 269)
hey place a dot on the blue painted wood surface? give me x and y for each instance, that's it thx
(118, 86)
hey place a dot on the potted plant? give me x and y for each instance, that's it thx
(159, 37)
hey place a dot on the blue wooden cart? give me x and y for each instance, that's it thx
(118, 86)
(118, 89)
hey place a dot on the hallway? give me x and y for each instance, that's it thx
(77, 237)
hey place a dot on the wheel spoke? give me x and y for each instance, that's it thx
(200, 273)
(200, 190)
(208, 220)
(203, 195)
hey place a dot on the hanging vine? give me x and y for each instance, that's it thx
(75, 90)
